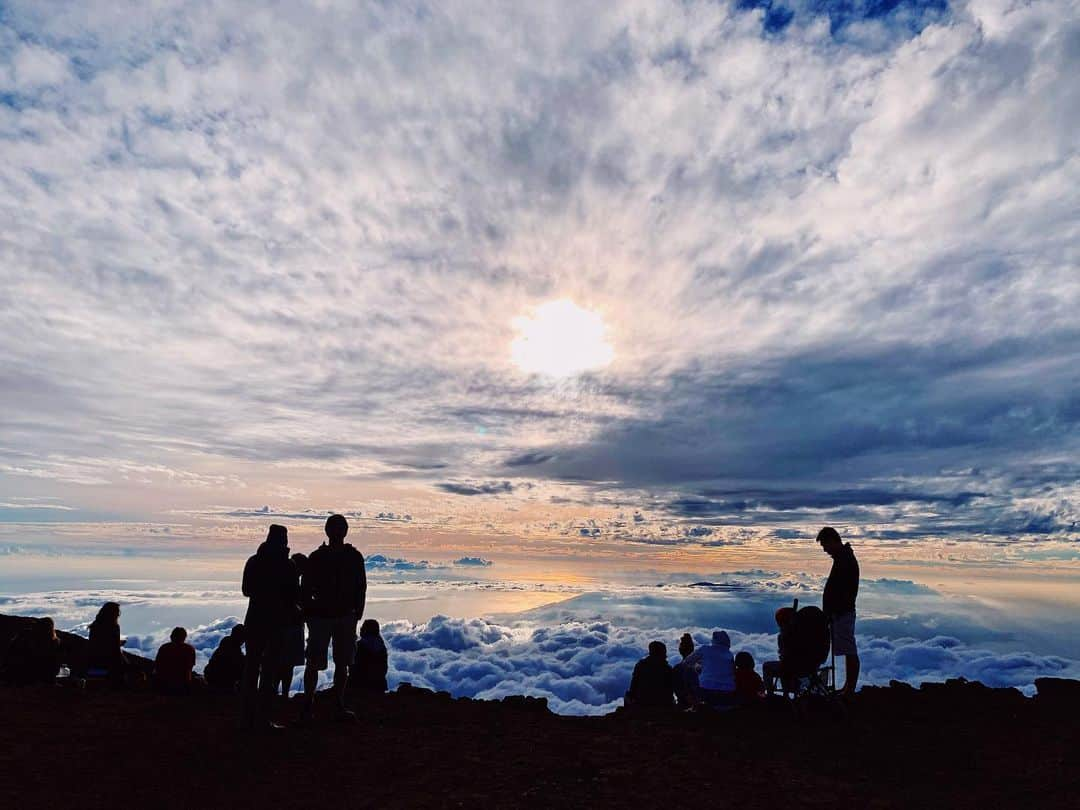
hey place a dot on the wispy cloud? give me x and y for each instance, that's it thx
(834, 245)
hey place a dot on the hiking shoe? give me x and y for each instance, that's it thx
(345, 716)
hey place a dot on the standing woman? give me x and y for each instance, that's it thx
(104, 652)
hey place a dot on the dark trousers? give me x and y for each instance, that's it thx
(262, 672)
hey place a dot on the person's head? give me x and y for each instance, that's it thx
(657, 649)
(239, 633)
(109, 614)
(277, 537)
(46, 628)
(829, 539)
(336, 529)
(179, 635)
(784, 615)
(299, 561)
(369, 627)
(744, 660)
(721, 639)
(686, 645)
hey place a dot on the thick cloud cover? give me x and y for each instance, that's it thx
(579, 653)
(270, 250)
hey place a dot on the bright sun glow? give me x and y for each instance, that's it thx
(560, 339)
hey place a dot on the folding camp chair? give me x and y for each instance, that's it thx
(809, 667)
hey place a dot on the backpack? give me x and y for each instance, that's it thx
(807, 647)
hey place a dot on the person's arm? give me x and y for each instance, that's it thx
(361, 587)
(247, 584)
(635, 681)
(693, 660)
(307, 582)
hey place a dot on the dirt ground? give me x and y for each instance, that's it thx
(957, 746)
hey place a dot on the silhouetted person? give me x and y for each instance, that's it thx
(372, 661)
(838, 602)
(749, 688)
(651, 684)
(225, 669)
(174, 664)
(270, 585)
(774, 670)
(685, 676)
(333, 592)
(33, 657)
(103, 652)
(717, 675)
(294, 633)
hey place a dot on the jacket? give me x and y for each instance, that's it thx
(334, 582)
(842, 586)
(270, 585)
(717, 663)
(651, 684)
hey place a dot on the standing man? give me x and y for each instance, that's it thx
(838, 602)
(332, 592)
(270, 585)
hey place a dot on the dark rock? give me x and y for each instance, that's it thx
(1058, 691)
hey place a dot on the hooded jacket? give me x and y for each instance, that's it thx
(717, 663)
(270, 585)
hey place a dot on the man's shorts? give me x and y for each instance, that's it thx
(843, 634)
(321, 631)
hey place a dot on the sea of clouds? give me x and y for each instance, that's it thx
(579, 653)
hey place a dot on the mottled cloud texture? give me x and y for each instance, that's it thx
(254, 254)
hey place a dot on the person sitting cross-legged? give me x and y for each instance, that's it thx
(174, 664)
(717, 676)
(651, 686)
(372, 661)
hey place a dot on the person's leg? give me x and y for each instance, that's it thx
(269, 677)
(249, 685)
(843, 639)
(770, 672)
(344, 634)
(318, 643)
(851, 673)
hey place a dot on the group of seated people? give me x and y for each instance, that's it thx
(36, 655)
(709, 676)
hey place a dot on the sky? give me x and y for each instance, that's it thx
(580, 289)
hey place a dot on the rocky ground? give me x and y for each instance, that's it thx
(956, 745)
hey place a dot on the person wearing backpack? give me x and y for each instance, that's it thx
(332, 593)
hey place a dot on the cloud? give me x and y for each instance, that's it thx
(476, 562)
(528, 459)
(486, 488)
(833, 244)
(380, 562)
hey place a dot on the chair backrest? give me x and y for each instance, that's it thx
(808, 645)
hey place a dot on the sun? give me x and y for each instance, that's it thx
(561, 339)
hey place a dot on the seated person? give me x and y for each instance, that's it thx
(103, 652)
(226, 666)
(372, 661)
(749, 688)
(174, 663)
(773, 670)
(717, 671)
(684, 676)
(33, 656)
(651, 685)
